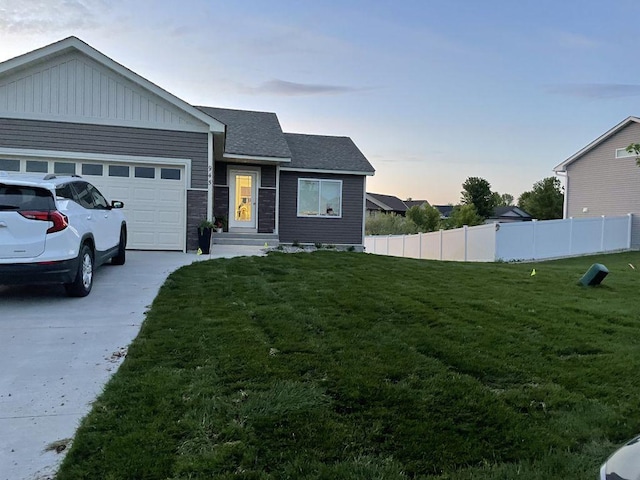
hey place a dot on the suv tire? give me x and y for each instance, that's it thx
(121, 256)
(81, 286)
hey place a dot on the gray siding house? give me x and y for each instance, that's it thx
(68, 109)
(603, 178)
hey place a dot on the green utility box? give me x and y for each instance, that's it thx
(594, 275)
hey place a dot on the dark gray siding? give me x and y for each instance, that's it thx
(76, 137)
(266, 210)
(346, 230)
(220, 173)
(221, 202)
(196, 212)
(268, 176)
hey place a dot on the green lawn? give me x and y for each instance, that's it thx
(352, 366)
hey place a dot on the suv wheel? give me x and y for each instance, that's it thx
(120, 257)
(81, 286)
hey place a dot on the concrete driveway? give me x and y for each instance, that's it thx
(56, 354)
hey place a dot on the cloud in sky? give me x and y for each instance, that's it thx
(576, 40)
(290, 89)
(19, 16)
(596, 90)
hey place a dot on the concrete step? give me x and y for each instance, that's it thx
(256, 239)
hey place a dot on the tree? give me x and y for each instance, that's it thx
(635, 148)
(426, 217)
(545, 200)
(463, 215)
(477, 192)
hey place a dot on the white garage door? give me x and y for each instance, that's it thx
(154, 196)
(154, 199)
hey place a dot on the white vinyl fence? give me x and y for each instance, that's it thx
(535, 240)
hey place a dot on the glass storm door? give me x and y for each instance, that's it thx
(243, 202)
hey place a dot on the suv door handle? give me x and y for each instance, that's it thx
(88, 217)
(3, 224)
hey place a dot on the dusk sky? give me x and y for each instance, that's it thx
(431, 91)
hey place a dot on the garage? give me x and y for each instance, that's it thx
(154, 201)
(154, 195)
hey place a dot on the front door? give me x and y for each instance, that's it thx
(243, 199)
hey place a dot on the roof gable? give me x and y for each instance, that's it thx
(608, 134)
(326, 154)
(387, 202)
(71, 81)
(510, 211)
(251, 134)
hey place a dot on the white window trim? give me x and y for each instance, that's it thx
(319, 215)
(622, 153)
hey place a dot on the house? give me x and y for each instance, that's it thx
(68, 109)
(415, 203)
(379, 203)
(445, 210)
(509, 214)
(603, 179)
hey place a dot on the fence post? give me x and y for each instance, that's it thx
(465, 228)
(602, 235)
(420, 245)
(570, 235)
(441, 230)
(629, 230)
(533, 230)
(388, 238)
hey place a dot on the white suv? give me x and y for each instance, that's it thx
(57, 229)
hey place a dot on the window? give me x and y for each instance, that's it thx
(37, 166)
(145, 172)
(64, 168)
(319, 198)
(91, 169)
(622, 153)
(9, 165)
(170, 173)
(64, 191)
(89, 197)
(118, 171)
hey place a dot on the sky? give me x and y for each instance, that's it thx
(431, 91)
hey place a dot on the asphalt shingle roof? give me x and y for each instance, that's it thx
(391, 201)
(251, 133)
(320, 152)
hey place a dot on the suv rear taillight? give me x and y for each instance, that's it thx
(60, 221)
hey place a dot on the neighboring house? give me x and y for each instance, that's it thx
(509, 214)
(445, 210)
(415, 203)
(68, 109)
(378, 203)
(603, 178)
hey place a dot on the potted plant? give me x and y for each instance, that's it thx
(221, 223)
(204, 235)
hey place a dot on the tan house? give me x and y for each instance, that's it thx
(603, 178)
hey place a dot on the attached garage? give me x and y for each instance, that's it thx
(68, 109)
(154, 194)
(154, 199)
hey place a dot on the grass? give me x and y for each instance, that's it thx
(350, 366)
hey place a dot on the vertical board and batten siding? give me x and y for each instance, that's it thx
(74, 86)
(607, 185)
(109, 140)
(339, 231)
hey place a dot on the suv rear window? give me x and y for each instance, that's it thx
(20, 198)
